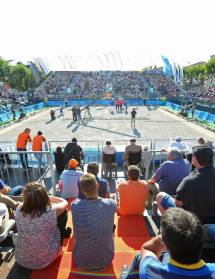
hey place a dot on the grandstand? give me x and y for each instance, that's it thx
(154, 127)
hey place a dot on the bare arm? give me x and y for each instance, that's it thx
(59, 204)
(154, 247)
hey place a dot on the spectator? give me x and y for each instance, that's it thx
(73, 151)
(178, 143)
(201, 141)
(133, 148)
(103, 190)
(109, 149)
(196, 192)
(22, 140)
(10, 196)
(182, 236)
(40, 227)
(69, 180)
(170, 173)
(146, 160)
(6, 190)
(93, 219)
(59, 159)
(37, 145)
(133, 193)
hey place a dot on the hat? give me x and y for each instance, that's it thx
(178, 139)
(132, 140)
(73, 163)
(203, 154)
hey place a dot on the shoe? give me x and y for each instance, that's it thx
(67, 232)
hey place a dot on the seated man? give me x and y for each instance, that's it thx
(182, 236)
(73, 151)
(104, 190)
(69, 180)
(171, 172)
(133, 193)
(179, 144)
(93, 219)
(109, 160)
(132, 149)
(6, 190)
(196, 192)
(10, 196)
(109, 149)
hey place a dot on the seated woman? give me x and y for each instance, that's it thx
(40, 227)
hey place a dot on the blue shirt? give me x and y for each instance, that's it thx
(1, 184)
(102, 191)
(170, 174)
(93, 232)
(151, 267)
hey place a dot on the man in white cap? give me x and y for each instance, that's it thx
(178, 143)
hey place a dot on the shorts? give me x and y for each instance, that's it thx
(168, 202)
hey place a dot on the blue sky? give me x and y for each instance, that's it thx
(92, 34)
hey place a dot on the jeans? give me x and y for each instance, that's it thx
(23, 158)
(38, 156)
(16, 191)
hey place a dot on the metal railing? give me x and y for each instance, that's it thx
(14, 168)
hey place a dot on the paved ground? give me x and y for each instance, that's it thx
(151, 123)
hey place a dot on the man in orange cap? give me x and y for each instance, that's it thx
(69, 180)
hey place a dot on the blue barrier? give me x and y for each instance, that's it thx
(201, 115)
(8, 116)
(130, 102)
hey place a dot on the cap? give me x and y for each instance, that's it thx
(203, 153)
(178, 139)
(73, 163)
(132, 140)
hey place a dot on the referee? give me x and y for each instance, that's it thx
(133, 117)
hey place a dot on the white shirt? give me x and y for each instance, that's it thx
(109, 150)
(180, 145)
(70, 179)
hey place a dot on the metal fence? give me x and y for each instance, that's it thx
(14, 170)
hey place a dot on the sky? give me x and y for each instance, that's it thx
(107, 34)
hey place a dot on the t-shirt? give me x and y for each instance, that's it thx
(70, 180)
(151, 267)
(109, 150)
(133, 197)
(38, 239)
(197, 192)
(22, 140)
(72, 151)
(170, 174)
(102, 191)
(93, 232)
(133, 113)
(178, 144)
(37, 143)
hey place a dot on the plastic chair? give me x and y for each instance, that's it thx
(109, 165)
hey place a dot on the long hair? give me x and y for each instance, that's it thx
(35, 200)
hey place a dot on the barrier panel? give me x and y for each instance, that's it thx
(131, 102)
(8, 116)
(13, 169)
(201, 115)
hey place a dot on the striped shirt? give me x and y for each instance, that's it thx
(93, 232)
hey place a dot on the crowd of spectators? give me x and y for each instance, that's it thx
(160, 83)
(204, 91)
(93, 210)
(93, 85)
